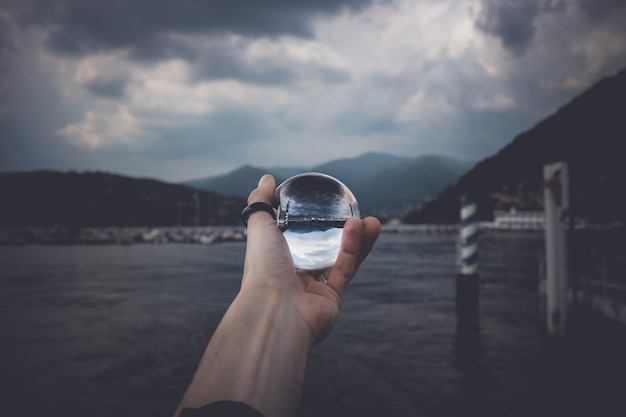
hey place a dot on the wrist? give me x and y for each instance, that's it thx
(272, 311)
(272, 357)
(262, 349)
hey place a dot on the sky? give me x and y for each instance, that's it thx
(185, 89)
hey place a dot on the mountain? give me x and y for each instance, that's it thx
(385, 185)
(589, 133)
(351, 171)
(47, 198)
(235, 183)
(396, 190)
(356, 171)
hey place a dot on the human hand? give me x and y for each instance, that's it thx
(269, 270)
(257, 355)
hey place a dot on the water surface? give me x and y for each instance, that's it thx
(118, 330)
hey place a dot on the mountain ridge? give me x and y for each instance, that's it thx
(98, 199)
(241, 180)
(405, 182)
(588, 132)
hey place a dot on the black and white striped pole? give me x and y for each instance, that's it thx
(467, 306)
(467, 341)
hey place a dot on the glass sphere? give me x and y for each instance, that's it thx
(311, 210)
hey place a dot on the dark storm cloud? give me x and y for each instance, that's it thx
(597, 10)
(79, 26)
(514, 21)
(510, 20)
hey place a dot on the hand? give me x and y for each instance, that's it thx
(258, 353)
(269, 267)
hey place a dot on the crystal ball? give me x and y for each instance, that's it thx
(311, 210)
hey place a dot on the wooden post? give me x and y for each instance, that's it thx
(556, 200)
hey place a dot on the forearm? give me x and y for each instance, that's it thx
(257, 355)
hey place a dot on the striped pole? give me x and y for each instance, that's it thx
(467, 342)
(469, 238)
(467, 275)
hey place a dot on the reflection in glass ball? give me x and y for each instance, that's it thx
(311, 210)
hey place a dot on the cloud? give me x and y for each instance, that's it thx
(280, 61)
(104, 128)
(79, 27)
(170, 89)
(114, 88)
(516, 22)
(104, 75)
(513, 21)
(600, 10)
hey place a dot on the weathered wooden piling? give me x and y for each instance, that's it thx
(556, 201)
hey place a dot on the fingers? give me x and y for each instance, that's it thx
(371, 230)
(265, 247)
(358, 239)
(264, 192)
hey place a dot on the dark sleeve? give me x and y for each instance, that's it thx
(222, 409)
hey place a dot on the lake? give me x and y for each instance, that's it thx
(106, 330)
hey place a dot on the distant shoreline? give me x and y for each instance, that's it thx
(207, 235)
(120, 235)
